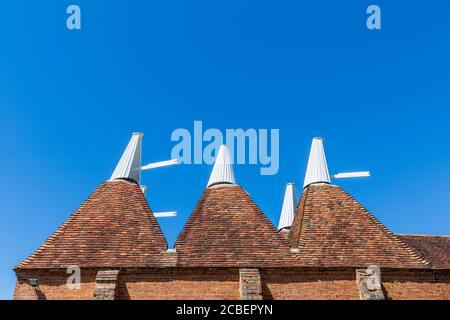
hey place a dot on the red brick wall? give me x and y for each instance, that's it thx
(52, 285)
(340, 284)
(417, 285)
(180, 283)
(223, 283)
(308, 284)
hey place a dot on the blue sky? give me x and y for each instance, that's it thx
(70, 99)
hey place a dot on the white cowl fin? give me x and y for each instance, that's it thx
(130, 163)
(223, 168)
(317, 170)
(288, 210)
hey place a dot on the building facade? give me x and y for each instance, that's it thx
(327, 246)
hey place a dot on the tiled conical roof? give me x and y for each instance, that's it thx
(227, 229)
(332, 229)
(114, 227)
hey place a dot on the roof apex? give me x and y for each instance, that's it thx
(288, 209)
(317, 169)
(223, 171)
(130, 160)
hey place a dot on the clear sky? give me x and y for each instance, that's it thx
(69, 101)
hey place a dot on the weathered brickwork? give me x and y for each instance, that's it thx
(53, 285)
(369, 284)
(224, 284)
(250, 284)
(340, 284)
(309, 284)
(417, 285)
(106, 285)
(179, 283)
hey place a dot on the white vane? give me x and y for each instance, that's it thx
(357, 174)
(167, 214)
(131, 159)
(159, 164)
(223, 171)
(288, 209)
(130, 167)
(317, 170)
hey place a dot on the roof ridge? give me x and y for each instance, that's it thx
(274, 228)
(306, 217)
(184, 234)
(422, 235)
(390, 234)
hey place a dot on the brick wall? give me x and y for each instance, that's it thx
(308, 284)
(180, 283)
(223, 283)
(417, 285)
(250, 284)
(52, 285)
(106, 284)
(340, 284)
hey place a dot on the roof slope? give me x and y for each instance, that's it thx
(113, 227)
(435, 249)
(332, 229)
(227, 229)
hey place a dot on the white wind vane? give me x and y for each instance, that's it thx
(316, 173)
(130, 167)
(317, 169)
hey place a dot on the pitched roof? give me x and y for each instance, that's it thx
(227, 229)
(114, 227)
(435, 249)
(332, 229)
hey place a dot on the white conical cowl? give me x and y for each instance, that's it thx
(317, 170)
(223, 168)
(288, 210)
(130, 162)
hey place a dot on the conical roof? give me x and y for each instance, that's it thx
(332, 229)
(114, 227)
(227, 229)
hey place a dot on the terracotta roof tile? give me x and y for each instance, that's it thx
(332, 229)
(435, 249)
(227, 229)
(113, 227)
